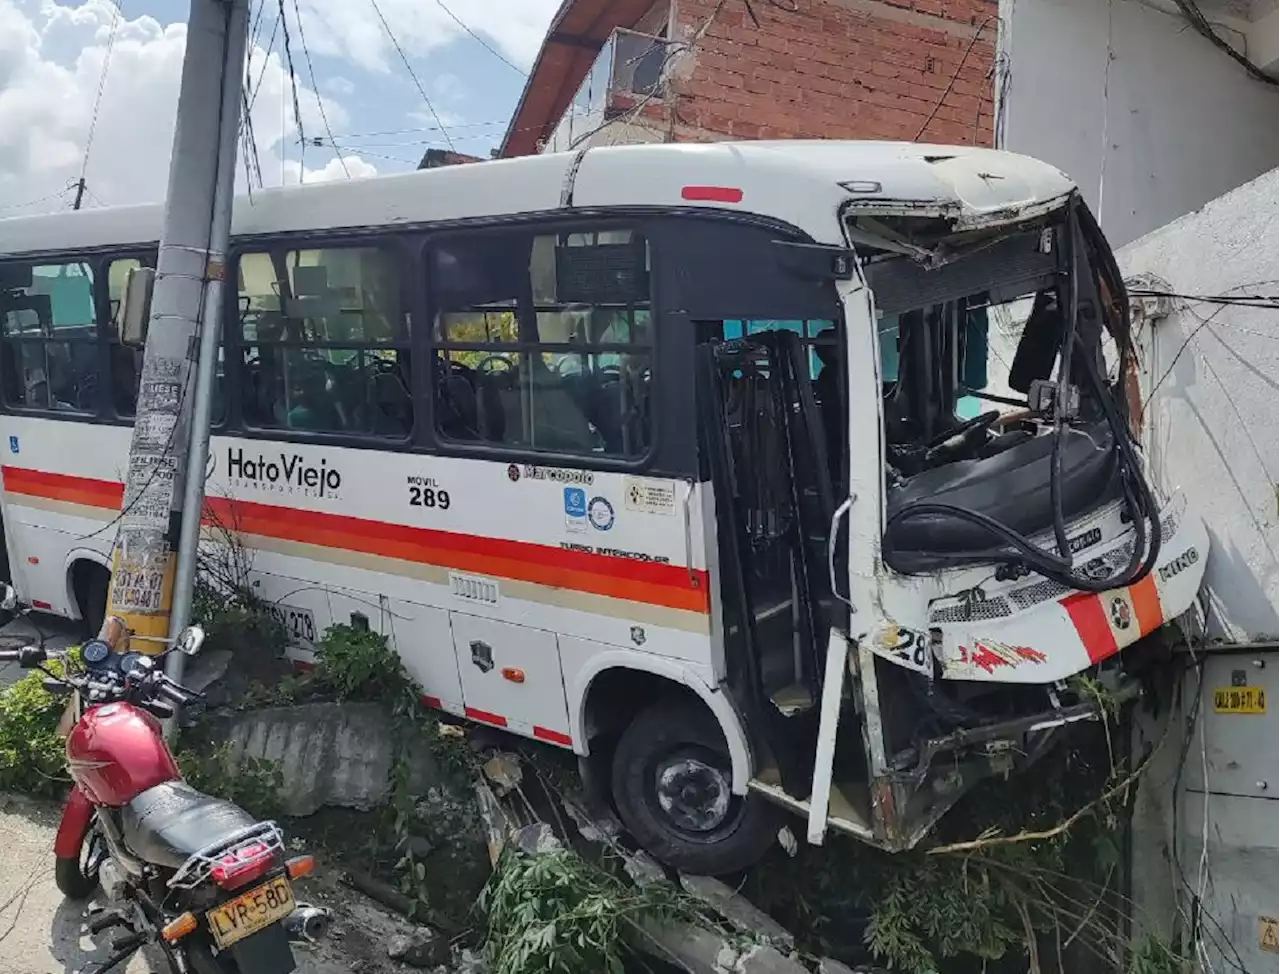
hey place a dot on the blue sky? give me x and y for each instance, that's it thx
(53, 52)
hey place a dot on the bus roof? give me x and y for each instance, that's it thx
(803, 183)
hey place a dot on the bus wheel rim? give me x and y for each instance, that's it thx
(693, 794)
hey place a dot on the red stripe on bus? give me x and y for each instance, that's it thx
(497, 720)
(551, 736)
(671, 586)
(1090, 620)
(435, 703)
(62, 487)
(712, 194)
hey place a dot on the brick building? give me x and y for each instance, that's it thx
(614, 71)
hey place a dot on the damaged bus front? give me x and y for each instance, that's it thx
(1004, 536)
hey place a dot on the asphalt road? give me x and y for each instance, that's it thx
(39, 932)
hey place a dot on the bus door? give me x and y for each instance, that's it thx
(770, 401)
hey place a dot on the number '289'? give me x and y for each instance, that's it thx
(429, 497)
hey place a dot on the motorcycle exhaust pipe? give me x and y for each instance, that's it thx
(308, 924)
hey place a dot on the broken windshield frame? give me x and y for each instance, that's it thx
(951, 458)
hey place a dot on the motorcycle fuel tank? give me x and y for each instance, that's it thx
(117, 751)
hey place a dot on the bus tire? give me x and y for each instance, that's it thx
(95, 581)
(671, 783)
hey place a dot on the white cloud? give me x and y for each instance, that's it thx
(352, 29)
(347, 167)
(339, 85)
(46, 105)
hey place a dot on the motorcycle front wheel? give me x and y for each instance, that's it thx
(77, 876)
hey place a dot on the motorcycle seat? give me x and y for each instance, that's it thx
(170, 822)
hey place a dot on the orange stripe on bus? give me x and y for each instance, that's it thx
(1146, 604)
(654, 583)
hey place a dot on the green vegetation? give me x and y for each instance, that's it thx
(557, 913)
(252, 783)
(32, 755)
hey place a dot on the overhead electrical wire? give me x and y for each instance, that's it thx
(1223, 301)
(102, 85)
(480, 40)
(1201, 24)
(409, 67)
(271, 43)
(964, 58)
(311, 72)
(293, 84)
(41, 199)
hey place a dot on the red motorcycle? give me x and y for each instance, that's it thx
(198, 876)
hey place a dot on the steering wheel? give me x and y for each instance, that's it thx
(483, 365)
(967, 431)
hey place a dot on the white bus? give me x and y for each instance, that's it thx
(749, 472)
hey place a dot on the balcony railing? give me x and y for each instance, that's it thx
(629, 68)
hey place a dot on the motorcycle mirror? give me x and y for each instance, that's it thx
(10, 601)
(189, 641)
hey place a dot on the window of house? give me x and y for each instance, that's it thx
(325, 341)
(49, 329)
(545, 342)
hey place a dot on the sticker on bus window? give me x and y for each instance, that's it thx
(648, 497)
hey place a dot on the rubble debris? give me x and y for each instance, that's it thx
(377, 890)
(503, 770)
(602, 829)
(643, 869)
(494, 820)
(738, 910)
(536, 840)
(421, 948)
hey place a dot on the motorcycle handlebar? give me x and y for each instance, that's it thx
(26, 656)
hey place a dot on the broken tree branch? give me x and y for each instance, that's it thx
(1041, 835)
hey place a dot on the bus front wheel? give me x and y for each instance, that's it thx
(672, 783)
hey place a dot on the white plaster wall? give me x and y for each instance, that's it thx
(1164, 124)
(1211, 424)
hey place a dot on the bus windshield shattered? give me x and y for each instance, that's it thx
(989, 440)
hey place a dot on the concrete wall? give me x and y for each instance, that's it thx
(1164, 124)
(1211, 424)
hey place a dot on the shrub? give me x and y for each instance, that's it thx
(32, 755)
(357, 664)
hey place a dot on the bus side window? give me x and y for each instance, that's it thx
(545, 342)
(325, 341)
(49, 337)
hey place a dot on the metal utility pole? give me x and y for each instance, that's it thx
(159, 526)
(79, 193)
